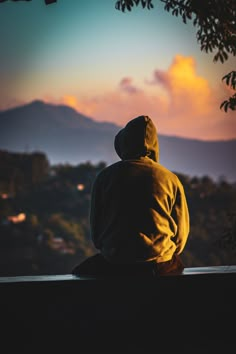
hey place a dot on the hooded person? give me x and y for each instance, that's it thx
(139, 216)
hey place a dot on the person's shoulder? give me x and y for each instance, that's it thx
(108, 170)
(167, 174)
(165, 171)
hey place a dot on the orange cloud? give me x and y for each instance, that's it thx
(181, 103)
(188, 93)
(117, 106)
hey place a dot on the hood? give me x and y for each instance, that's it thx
(138, 138)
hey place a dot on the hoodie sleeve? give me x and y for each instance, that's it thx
(95, 213)
(180, 214)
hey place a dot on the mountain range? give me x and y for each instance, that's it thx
(67, 136)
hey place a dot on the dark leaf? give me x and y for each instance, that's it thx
(221, 57)
(223, 104)
(143, 3)
(117, 6)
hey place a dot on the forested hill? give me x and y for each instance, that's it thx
(68, 136)
(44, 216)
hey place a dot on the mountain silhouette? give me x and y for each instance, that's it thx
(67, 136)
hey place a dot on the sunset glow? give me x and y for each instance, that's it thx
(180, 101)
(113, 66)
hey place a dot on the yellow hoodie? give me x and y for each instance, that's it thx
(138, 209)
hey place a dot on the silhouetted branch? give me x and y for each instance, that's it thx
(230, 80)
(47, 2)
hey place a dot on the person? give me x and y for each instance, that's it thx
(139, 215)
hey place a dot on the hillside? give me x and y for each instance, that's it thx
(67, 136)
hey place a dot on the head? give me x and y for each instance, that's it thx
(138, 139)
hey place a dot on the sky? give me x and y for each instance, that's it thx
(113, 66)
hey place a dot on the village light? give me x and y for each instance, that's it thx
(17, 218)
(80, 187)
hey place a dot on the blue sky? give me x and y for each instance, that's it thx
(112, 65)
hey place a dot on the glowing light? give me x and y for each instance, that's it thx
(17, 218)
(5, 196)
(80, 187)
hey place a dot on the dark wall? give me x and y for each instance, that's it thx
(176, 314)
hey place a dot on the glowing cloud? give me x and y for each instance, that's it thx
(70, 101)
(188, 93)
(181, 102)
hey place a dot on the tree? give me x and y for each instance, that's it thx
(215, 21)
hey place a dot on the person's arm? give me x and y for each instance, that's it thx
(180, 214)
(95, 214)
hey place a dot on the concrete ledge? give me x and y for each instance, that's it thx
(193, 271)
(191, 313)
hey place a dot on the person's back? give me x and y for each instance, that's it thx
(139, 212)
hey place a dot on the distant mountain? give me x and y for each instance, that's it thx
(62, 133)
(68, 136)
